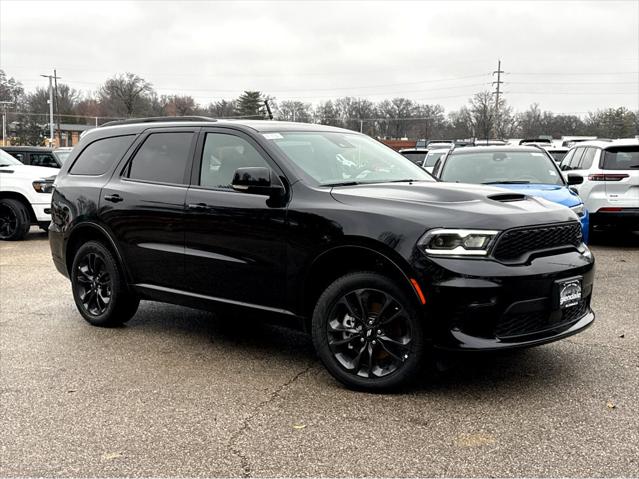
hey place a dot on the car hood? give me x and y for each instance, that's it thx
(560, 194)
(453, 204)
(30, 172)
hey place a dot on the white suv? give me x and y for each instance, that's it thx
(610, 188)
(25, 197)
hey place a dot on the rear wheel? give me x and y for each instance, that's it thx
(368, 333)
(14, 220)
(99, 290)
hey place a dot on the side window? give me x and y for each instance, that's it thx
(222, 155)
(565, 163)
(586, 159)
(43, 159)
(574, 161)
(99, 156)
(17, 155)
(163, 158)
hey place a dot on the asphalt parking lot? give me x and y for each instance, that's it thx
(179, 392)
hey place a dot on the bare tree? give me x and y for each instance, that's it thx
(126, 95)
(294, 111)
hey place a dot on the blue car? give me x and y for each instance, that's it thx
(525, 169)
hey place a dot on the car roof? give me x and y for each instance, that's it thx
(488, 149)
(414, 150)
(608, 144)
(27, 148)
(262, 126)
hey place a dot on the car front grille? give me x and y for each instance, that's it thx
(522, 324)
(516, 243)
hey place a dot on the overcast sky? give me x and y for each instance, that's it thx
(570, 56)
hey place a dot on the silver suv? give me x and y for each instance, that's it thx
(610, 189)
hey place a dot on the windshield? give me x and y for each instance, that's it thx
(432, 158)
(416, 157)
(7, 160)
(332, 158)
(493, 167)
(62, 155)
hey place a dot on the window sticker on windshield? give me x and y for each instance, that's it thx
(537, 154)
(272, 136)
(552, 173)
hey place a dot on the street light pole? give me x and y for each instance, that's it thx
(4, 121)
(51, 126)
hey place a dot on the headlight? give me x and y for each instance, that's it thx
(43, 186)
(457, 242)
(579, 209)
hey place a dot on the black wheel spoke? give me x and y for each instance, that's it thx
(370, 359)
(360, 303)
(346, 303)
(392, 317)
(357, 359)
(341, 342)
(385, 348)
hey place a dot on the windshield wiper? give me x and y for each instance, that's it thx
(342, 183)
(401, 181)
(507, 182)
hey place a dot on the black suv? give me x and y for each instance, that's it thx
(321, 226)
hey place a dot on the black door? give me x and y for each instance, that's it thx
(143, 206)
(235, 242)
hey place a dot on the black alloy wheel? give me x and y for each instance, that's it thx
(14, 220)
(99, 290)
(368, 332)
(94, 284)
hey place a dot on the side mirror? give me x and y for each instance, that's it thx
(575, 179)
(256, 180)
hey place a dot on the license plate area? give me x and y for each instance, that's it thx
(568, 292)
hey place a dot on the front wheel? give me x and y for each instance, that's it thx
(99, 290)
(14, 220)
(368, 333)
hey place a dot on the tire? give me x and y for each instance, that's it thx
(14, 220)
(99, 289)
(384, 352)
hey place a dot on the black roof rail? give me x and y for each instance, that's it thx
(157, 119)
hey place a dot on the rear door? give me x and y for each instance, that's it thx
(143, 205)
(620, 165)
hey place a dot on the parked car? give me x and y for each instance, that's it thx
(479, 142)
(558, 153)
(34, 155)
(439, 145)
(63, 153)
(610, 188)
(378, 262)
(25, 197)
(416, 155)
(536, 141)
(525, 169)
(432, 157)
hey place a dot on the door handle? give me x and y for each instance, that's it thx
(113, 198)
(198, 206)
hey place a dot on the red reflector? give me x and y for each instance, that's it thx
(418, 290)
(609, 209)
(607, 177)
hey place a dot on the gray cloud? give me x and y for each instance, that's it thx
(568, 56)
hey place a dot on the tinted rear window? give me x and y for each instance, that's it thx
(99, 156)
(621, 158)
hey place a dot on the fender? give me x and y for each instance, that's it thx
(104, 231)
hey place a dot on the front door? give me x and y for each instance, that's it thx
(235, 241)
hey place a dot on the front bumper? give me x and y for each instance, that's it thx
(42, 212)
(486, 305)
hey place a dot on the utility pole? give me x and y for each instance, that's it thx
(4, 120)
(498, 83)
(50, 77)
(57, 107)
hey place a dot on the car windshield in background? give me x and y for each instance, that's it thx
(62, 155)
(558, 155)
(7, 160)
(416, 157)
(621, 158)
(494, 167)
(432, 158)
(332, 158)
